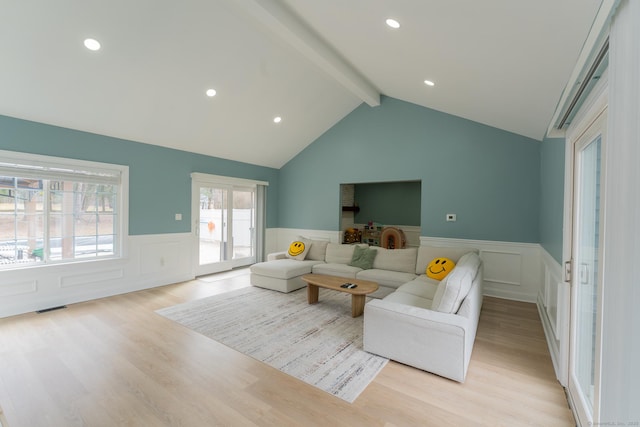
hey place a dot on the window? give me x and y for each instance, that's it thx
(59, 210)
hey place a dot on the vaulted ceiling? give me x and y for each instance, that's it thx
(503, 63)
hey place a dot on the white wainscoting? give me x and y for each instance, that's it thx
(511, 269)
(152, 260)
(279, 239)
(554, 305)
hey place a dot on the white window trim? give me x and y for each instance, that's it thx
(66, 163)
(219, 179)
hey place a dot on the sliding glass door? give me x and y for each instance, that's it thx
(586, 280)
(224, 224)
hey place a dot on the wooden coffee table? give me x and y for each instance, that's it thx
(358, 294)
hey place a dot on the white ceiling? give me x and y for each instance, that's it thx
(503, 63)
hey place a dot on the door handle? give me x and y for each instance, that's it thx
(584, 274)
(567, 271)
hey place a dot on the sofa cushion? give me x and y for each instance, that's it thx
(425, 288)
(427, 253)
(396, 259)
(283, 268)
(409, 299)
(333, 269)
(318, 250)
(340, 254)
(298, 249)
(455, 287)
(385, 277)
(363, 257)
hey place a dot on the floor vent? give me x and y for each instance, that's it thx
(51, 309)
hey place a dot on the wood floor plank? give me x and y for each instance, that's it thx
(114, 361)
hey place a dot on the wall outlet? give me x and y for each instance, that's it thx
(178, 217)
(451, 217)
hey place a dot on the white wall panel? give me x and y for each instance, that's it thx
(553, 306)
(18, 287)
(153, 260)
(511, 269)
(98, 276)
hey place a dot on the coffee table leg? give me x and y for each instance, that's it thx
(312, 293)
(357, 305)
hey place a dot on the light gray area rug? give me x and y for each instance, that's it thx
(320, 344)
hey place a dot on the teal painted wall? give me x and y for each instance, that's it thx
(394, 203)
(552, 158)
(490, 178)
(159, 178)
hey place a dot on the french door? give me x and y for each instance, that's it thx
(224, 219)
(587, 277)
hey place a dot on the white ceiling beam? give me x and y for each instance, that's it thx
(283, 22)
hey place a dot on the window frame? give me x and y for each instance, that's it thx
(51, 167)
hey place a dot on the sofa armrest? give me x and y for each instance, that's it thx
(429, 340)
(451, 324)
(276, 255)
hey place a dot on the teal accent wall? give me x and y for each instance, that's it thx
(489, 177)
(552, 157)
(393, 203)
(159, 178)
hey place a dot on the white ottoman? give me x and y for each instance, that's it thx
(282, 274)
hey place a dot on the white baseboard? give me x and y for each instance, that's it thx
(152, 260)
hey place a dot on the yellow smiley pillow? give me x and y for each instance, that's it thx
(438, 268)
(298, 249)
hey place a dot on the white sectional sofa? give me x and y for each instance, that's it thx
(418, 321)
(391, 267)
(428, 324)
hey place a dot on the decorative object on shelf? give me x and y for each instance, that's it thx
(371, 234)
(352, 235)
(392, 238)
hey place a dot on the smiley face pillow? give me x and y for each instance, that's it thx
(438, 268)
(298, 249)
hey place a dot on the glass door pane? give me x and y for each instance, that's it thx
(587, 264)
(212, 225)
(244, 203)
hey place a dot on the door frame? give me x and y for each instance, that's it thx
(593, 110)
(228, 183)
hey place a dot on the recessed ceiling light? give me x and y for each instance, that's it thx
(429, 83)
(92, 44)
(277, 119)
(211, 92)
(392, 23)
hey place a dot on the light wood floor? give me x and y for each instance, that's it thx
(115, 362)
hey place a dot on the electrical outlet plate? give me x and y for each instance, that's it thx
(179, 217)
(451, 217)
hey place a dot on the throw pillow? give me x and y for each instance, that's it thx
(298, 249)
(363, 257)
(438, 268)
(318, 250)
